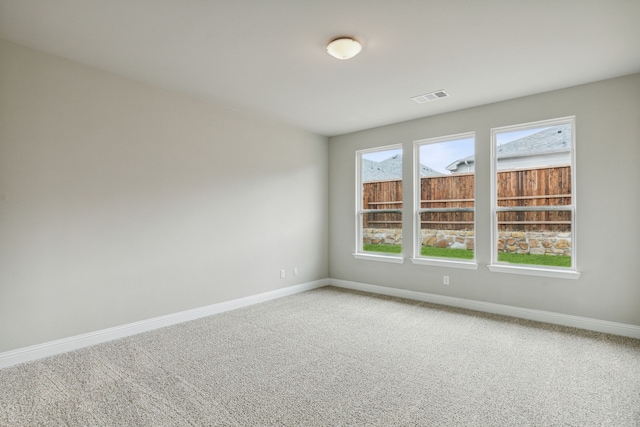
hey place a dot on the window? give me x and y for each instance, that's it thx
(533, 198)
(379, 204)
(445, 201)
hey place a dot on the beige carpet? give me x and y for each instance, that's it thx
(331, 357)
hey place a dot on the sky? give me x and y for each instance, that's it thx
(436, 155)
(505, 137)
(379, 156)
(439, 155)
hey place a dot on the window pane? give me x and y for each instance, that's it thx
(447, 183)
(381, 190)
(533, 169)
(537, 221)
(385, 194)
(540, 238)
(532, 148)
(535, 186)
(447, 234)
(382, 232)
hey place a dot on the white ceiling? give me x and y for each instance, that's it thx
(268, 56)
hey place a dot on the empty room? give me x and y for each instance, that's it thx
(319, 213)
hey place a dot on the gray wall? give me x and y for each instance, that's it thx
(608, 200)
(120, 202)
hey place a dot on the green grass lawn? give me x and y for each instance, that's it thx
(387, 249)
(425, 251)
(548, 260)
(553, 261)
(446, 252)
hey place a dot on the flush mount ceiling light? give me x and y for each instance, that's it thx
(344, 48)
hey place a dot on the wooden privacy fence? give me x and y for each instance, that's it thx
(544, 186)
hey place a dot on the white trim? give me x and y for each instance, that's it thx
(597, 325)
(359, 185)
(382, 258)
(417, 205)
(535, 125)
(534, 271)
(447, 138)
(64, 345)
(417, 226)
(445, 263)
(390, 147)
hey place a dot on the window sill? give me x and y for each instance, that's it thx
(532, 271)
(382, 258)
(445, 263)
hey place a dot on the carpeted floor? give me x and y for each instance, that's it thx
(332, 357)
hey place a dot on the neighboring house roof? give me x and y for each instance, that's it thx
(390, 168)
(454, 166)
(550, 140)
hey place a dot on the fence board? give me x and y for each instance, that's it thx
(545, 186)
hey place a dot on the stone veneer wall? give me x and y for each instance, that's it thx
(522, 242)
(382, 236)
(535, 242)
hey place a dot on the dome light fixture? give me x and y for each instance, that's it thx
(344, 47)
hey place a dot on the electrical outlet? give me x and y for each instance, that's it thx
(295, 271)
(445, 280)
(283, 273)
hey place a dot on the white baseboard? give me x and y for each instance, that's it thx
(622, 329)
(26, 354)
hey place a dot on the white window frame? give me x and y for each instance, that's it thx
(359, 253)
(417, 191)
(533, 270)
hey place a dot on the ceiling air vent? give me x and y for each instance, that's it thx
(428, 97)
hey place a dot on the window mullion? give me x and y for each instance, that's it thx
(422, 210)
(533, 208)
(366, 211)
